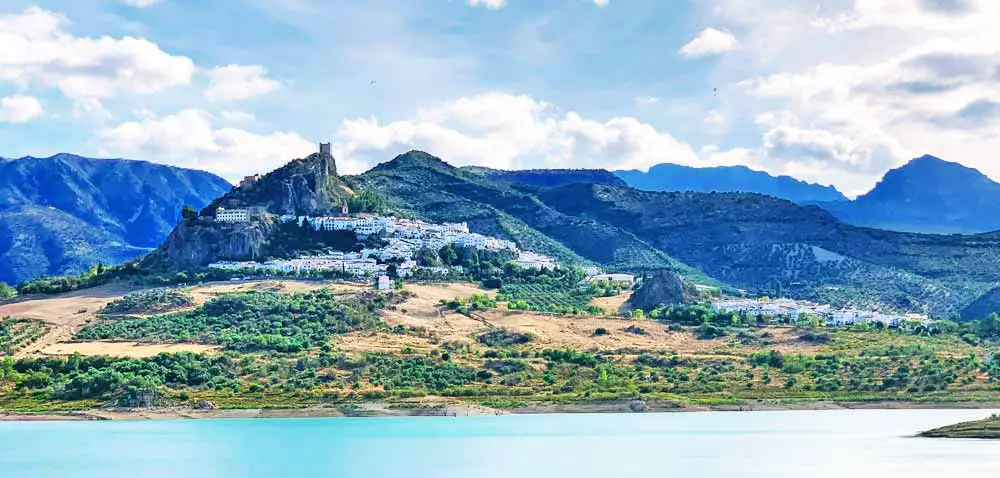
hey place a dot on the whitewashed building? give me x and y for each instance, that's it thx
(232, 215)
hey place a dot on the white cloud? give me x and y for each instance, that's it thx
(20, 109)
(709, 42)
(237, 116)
(141, 3)
(90, 108)
(490, 4)
(190, 139)
(844, 90)
(36, 50)
(239, 82)
(601, 3)
(512, 132)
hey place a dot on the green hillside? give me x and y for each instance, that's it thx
(774, 246)
(425, 186)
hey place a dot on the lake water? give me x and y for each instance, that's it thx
(813, 444)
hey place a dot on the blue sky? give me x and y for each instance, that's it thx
(830, 91)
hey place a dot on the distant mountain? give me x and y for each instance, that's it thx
(930, 195)
(548, 178)
(674, 177)
(65, 213)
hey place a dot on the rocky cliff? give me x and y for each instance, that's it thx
(663, 288)
(195, 243)
(306, 186)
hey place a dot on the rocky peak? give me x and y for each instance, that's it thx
(305, 186)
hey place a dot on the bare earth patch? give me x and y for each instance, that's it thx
(125, 349)
(613, 304)
(381, 342)
(206, 292)
(549, 331)
(65, 313)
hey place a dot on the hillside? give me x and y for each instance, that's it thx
(674, 177)
(986, 304)
(547, 178)
(305, 186)
(929, 195)
(988, 428)
(423, 185)
(65, 213)
(774, 246)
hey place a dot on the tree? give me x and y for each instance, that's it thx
(448, 255)
(188, 212)
(6, 291)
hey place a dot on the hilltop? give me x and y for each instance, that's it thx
(668, 177)
(306, 186)
(547, 178)
(66, 213)
(927, 194)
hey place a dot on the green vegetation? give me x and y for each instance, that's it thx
(368, 201)
(252, 321)
(150, 301)
(503, 338)
(6, 291)
(15, 334)
(986, 428)
(560, 291)
(97, 275)
(471, 304)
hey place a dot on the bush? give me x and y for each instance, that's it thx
(502, 338)
(709, 331)
(600, 331)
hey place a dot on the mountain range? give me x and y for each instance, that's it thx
(740, 240)
(65, 213)
(674, 177)
(928, 194)
(749, 241)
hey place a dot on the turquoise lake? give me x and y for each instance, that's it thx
(842, 443)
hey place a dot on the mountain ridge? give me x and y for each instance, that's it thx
(674, 177)
(126, 207)
(927, 194)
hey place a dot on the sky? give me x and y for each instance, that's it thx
(834, 92)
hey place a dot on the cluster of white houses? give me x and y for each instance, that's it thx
(405, 238)
(791, 310)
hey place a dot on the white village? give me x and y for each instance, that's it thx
(404, 237)
(792, 310)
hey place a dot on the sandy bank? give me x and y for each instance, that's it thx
(381, 409)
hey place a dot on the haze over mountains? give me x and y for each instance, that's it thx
(65, 213)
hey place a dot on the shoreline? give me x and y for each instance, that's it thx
(384, 410)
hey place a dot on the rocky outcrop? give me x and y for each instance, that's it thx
(307, 186)
(195, 243)
(663, 288)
